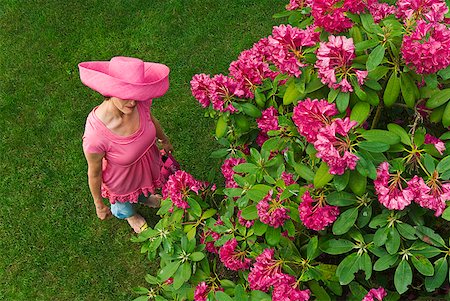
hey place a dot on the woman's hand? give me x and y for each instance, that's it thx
(103, 211)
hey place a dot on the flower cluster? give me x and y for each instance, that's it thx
(202, 290)
(334, 146)
(430, 10)
(334, 60)
(395, 192)
(380, 10)
(179, 186)
(329, 136)
(375, 294)
(266, 272)
(297, 4)
(268, 120)
(228, 172)
(311, 115)
(427, 48)
(233, 259)
(271, 211)
(209, 237)
(330, 15)
(318, 216)
(243, 221)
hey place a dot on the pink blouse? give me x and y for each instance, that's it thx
(132, 164)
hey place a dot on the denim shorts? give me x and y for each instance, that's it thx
(126, 209)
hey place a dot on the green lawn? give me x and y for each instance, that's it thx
(52, 246)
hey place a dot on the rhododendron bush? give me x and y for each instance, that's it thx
(335, 163)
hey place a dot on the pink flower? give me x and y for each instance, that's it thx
(209, 237)
(261, 138)
(201, 292)
(311, 115)
(200, 86)
(379, 11)
(378, 293)
(389, 189)
(330, 15)
(179, 186)
(334, 60)
(297, 4)
(355, 6)
(432, 195)
(265, 272)
(232, 259)
(223, 91)
(268, 120)
(288, 178)
(228, 172)
(320, 215)
(287, 47)
(243, 221)
(334, 146)
(427, 48)
(430, 10)
(271, 211)
(287, 290)
(252, 67)
(438, 144)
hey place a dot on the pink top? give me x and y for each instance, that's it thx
(132, 164)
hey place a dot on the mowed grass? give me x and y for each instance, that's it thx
(52, 246)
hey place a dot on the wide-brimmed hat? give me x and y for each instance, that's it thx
(126, 78)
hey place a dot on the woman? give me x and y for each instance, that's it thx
(119, 141)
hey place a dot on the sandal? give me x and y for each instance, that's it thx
(153, 201)
(138, 223)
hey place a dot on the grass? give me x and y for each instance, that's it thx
(52, 246)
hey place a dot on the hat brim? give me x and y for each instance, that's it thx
(156, 81)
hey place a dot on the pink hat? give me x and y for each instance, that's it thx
(126, 78)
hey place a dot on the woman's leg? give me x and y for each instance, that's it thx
(126, 211)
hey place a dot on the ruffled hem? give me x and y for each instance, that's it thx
(130, 197)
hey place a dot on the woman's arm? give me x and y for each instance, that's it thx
(95, 182)
(161, 136)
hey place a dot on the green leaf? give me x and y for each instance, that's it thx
(341, 198)
(443, 165)
(374, 146)
(360, 112)
(379, 220)
(366, 265)
(401, 132)
(140, 290)
(239, 293)
(208, 213)
(381, 236)
(260, 228)
(220, 153)
(312, 247)
(381, 136)
(273, 236)
(319, 292)
(357, 183)
(375, 57)
(407, 231)
(337, 246)
(347, 268)
(341, 181)
(438, 98)
(292, 94)
(304, 171)
(429, 236)
(168, 270)
(256, 295)
(195, 208)
(446, 116)
(364, 216)
(345, 221)
(246, 167)
(342, 101)
(392, 241)
(197, 256)
(366, 45)
(378, 73)
(402, 277)
(251, 110)
(392, 90)
(221, 296)
(250, 213)
(431, 80)
(322, 176)
(440, 273)
(446, 214)
(313, 85)
(385, 262)
(369, 24)
(151, 279)
(423, 265)
(409, 90)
